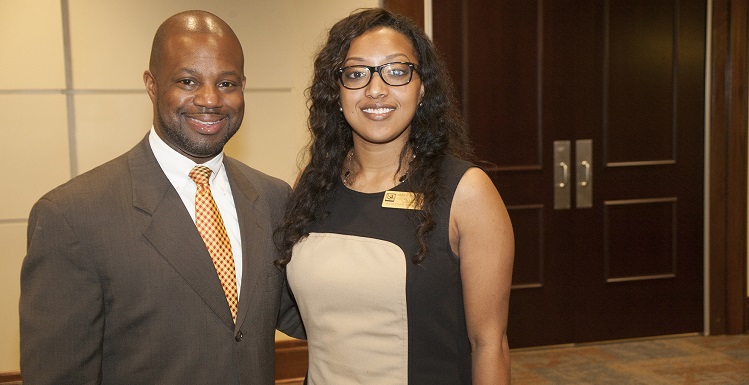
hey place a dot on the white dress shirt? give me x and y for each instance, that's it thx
(177, 168)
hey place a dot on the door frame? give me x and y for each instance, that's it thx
(726, 148)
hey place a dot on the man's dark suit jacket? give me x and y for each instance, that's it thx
(117, 286)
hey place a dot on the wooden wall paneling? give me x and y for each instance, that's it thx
(737, 169)
(728, 168)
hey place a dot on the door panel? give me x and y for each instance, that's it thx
(639, 66)
(624, 81)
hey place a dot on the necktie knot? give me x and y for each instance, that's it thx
(200, 174)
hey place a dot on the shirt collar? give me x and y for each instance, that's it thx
(177, 166)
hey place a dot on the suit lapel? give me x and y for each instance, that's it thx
(171, 230)
(253, 227)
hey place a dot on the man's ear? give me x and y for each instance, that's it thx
(150, 83)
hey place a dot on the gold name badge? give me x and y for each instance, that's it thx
(401, 200)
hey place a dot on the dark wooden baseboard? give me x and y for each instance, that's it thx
(10, 378)
(291, 364)
(290, 382)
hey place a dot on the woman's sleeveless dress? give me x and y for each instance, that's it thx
(371, 315)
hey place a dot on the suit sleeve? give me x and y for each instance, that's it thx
(61, 306)
(289, 320)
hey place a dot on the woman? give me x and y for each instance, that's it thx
(398, 252)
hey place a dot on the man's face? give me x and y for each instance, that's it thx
(197, 90)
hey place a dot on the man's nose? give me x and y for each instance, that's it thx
(208, 96)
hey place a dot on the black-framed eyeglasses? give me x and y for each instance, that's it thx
(393, 74)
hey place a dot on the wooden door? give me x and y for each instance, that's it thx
(626, 77)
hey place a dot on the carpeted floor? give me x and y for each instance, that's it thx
(694, 360)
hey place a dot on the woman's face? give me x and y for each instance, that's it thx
(380, 113)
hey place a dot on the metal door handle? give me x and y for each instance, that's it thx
(565, 174)
(584, 172)
(585, 181)
(561, 167)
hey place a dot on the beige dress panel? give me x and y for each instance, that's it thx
(351, 293)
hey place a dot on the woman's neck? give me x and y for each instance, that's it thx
(374, 168)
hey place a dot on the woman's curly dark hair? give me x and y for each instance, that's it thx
(436, 129)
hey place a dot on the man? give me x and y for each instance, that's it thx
(118, 285)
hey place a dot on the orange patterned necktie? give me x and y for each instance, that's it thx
(212, 230)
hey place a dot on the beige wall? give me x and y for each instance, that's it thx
(54, 131)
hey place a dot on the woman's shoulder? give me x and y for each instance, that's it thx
(453, 169)
(450, 162)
